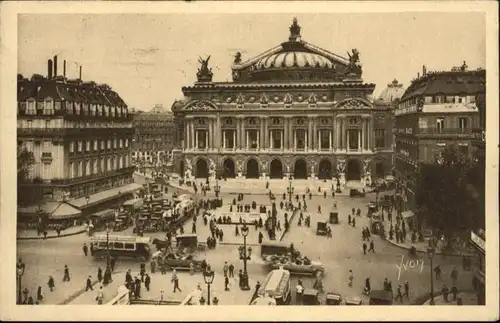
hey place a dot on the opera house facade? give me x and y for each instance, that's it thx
(295, 110)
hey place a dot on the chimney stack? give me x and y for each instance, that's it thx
(424, 70)
(49, 64)
(64, 68)
(418, 75)
(55, 65)
(80, 72)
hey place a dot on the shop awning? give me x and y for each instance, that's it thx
(407, 214)
(103, 196)
(65, 211)
(46, 207)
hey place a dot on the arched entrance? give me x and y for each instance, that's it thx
(252, 168)
(276, 169)
(379, 170)
(229, 168)
(201, 168)
(353, 170)
(181, 168)
(325, 169)
(300, 169)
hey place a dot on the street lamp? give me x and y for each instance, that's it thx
(208, 276)
(290, 190)
(430, 253)
(20, 272)
(108, 255)
(244, 233)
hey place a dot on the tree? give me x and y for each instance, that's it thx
(443, 193)
(25, 161)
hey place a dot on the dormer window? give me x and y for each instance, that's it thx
(48, 108)
(93, 109)
(77, 108)
(106, 111)
(85, 109)
(112, 111)
(69, 108)
(31, 109)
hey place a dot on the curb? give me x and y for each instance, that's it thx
(291, 218)
(425, 251)
(51, 237)
(425, 298)
(79, 292)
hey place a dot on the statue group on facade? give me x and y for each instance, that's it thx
(354, 66)
(204, 72)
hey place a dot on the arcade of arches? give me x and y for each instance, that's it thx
(229, 168)
(325, 169)
(276, 169)
(252, 168)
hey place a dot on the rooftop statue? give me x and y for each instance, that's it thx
(294, 30)
(354, 66)
(237, 58)
(204, 72)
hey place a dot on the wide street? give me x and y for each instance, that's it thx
(338, 254)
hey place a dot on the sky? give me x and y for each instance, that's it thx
(148, 58)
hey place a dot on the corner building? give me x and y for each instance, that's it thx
(295, 110)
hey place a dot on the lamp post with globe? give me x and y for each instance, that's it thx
(431, 252)
(208, 276)
(245, 256)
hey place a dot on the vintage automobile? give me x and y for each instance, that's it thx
(381, 297)
(356, 193)
(177, 261)
(333, 299)
(353, 300)
(189, 242)
(310, 297)
(334, 216)
(372, 208)
(301, 266)
(322, 228)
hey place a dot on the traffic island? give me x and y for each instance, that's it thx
(32, 234)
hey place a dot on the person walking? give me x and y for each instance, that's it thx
(364, 248)
(51, 283)
(85, 249)
(350, 278)
(175, 280)
(349, 219)
(39, 296)
(99, 274)
(225, 269)
(112, 263)
(89, 284)
(454, 275)
(299, 291)
(137, 288)
(353, 223)
(147, 282)
(437, 270)
(66, 274)
(100, 296)
(226, 283)
(231, 271)
(372, 247)
(407, 290)
(445, 292)
(399, 294)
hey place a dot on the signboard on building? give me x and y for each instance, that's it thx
(478, 241)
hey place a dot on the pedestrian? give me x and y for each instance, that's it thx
(437, 270)
(368, 286)
(350, 278)
(299, 290)
(153, 266)
(89, 284)
(386, 284)
(99, 274)
(240, 278)
(51, 283)
(236, 231)
(45, 234)
(66, 274)
(399, 294)
(100, 296)
(112, 263)
(91, 248)
(231, 270)
(128, 277)
(372, 246)
(407, 290)
(175, 280)
(25, 294)
(364, 248)
(39, 296)
(349, 219)
(454, 275)
(193, 228)
(142, 271)
(226, 283)
(353, 223)
(85, 249)
(137, 285)
(454, 292)
(324, 194)
(147, 282)
(225, 269)
(445, 292)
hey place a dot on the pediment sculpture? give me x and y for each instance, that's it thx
(312, 99)
(353, 104)
(264, 99)
(288, 99)
(240, 100)
(200, 106)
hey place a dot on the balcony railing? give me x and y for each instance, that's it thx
(444, 131)
(72, 131)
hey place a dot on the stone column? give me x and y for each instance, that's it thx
(359, 140)
(266, 133)
(290, 133)
(258, 140)
(223, 139)
(314, 142)
(318, 134)
(286, 129)
(245, 146)
(363, 134)
(336, 140)
(243, 137)
(186, 135)
(191, 134)
(347, 140)
(330, 140)
(309, 134)
(217, 136)
(210, 138)
(261, 133)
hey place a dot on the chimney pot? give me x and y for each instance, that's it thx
(64, 68)
(80, 73)
(55, 65)
(49, 65)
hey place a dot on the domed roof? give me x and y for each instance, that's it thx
(291, 59)
(392, 92)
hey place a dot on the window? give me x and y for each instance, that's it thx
(48, 108)
(80, 145)
(253, 139)
(439, 124)
(463, 149)
(228, 139)
(324, 137)
(103, 145)
(87, 145)
(202, 138)
(47, 124)
(450, 99)
(126, 142)
(92, 109)
(95, 145)
(121, 143)
(30, 124)
(275, 121)
(109, 143)
(300, 135)
(31, 110)
(422, 123)
(115, 143)
(228, 121)
(129, 246)
(118, 245)
(47, 145)
(71, 146)
(276, 139)
(380, 138)
(77, 108)
(439, 98)
(462, 123)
